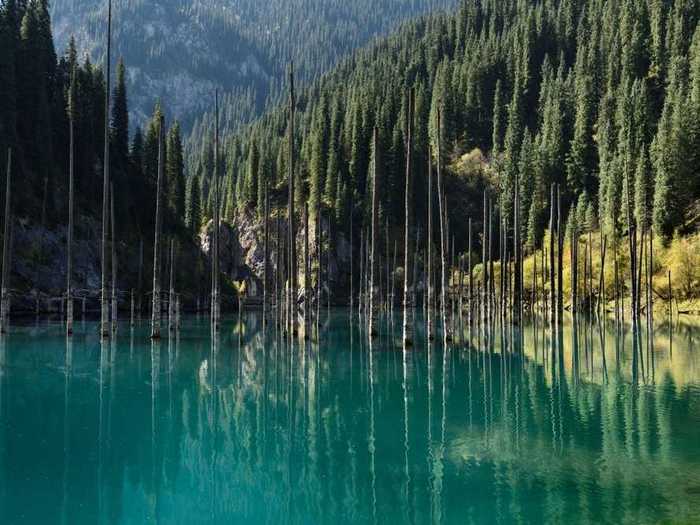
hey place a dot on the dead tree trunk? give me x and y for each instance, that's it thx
(155, 309)
(104, 301)
(6, 247)
(114, 260)
(266, 256)
(171, 294)
(443, 240)
(292, 238)
(552, 282)
(429, 242)
(71, 200)
(375, 231)
(215, 300)
(407, 323)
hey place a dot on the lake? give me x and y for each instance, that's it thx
(512, 426)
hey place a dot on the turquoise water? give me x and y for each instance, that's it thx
(246, 429)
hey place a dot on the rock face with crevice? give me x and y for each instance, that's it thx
(242, 252)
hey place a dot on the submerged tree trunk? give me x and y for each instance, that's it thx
(266, 256)
(215, 300)
(407, 323)
(71, 200)
(6, 247)
(171, 294)
(104, 327)
(292, 238)
(429, 242)
(155, 309)
(552, 282)
(307, 269)
(375, 231)
(443, 240)
(114, 259)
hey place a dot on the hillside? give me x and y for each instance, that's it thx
(595, 96)
(179, 51)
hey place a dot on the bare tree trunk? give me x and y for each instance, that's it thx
(388, 269)
(71, 201)
(114, 260)
(552, 282)
(278, 251)
(292, 237)
(352, 291)
(171, 295)
(215, 300)
(471, 274)
(307, 281)
(443, 263)
(104, 327)
(393, 281)
(375, 230)
(266, 255)
(484, 266)
(139, 290)
(560, 265)
(517, 248)
(429, 242)
(155, 309)
(601, 282)
(6, 248)
(407, 323)
(319, 233)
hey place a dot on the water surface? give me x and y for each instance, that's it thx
(532, 427)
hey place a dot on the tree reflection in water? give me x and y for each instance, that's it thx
(578, 424)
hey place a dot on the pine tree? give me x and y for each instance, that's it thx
(175, 175)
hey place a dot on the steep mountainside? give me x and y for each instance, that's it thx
(180, 50)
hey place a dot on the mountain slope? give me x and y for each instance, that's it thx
(601, 98)
(181, 50)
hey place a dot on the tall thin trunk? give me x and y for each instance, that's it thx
(560, 265)
(388, 269)
(517, 248)
(573, 249)
(393, 281)
(6, 247)
(292, 237)
(71, 200)
(351, 263)
(552, 282)
(307, 281)
(171, 295)
(407, 323)
(155, 309)
(319, 233)
(443, 240)
(139, 290)
(104, 327)
(484, 267)
(471, 273)
(278, 271)
(114, 259)
(375, 231)
(429, 248)
(215, 300)
(266, 255)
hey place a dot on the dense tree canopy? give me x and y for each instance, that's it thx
(601, 97)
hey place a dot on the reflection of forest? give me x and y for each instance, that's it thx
(252, 429)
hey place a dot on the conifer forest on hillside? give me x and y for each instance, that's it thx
(482, 135)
